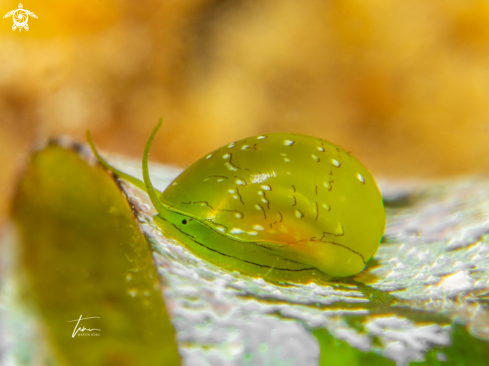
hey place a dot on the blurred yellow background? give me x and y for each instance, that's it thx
(403, 85)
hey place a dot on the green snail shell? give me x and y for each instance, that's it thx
(279, 205)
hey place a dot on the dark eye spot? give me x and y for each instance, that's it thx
(184, 221)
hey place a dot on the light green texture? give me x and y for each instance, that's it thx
(285, 207)
(83, 254)
(336, 352)
(465, 350)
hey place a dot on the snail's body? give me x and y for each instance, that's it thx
(282, 206)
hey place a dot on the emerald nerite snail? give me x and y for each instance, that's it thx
(282, 206)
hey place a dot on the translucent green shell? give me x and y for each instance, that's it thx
(280, 205)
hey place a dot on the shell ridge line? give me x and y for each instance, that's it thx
(212, 208)
(266, 199)
(217, 224)
(281, 245)
(231, 161)
(205, 202)
(239, 195)
(281, 218)
(344, 246)
(241, 180)
(330, 183)
(327, 233)
(242, 260)
(264, 213)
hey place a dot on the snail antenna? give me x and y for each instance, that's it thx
(137, 182)
(152, 192)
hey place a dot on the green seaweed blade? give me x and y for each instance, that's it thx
(83, 255)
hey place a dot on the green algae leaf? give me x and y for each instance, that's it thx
(464, 351)
(337, 352)
(83, 254)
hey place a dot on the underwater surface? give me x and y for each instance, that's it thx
(423, 298)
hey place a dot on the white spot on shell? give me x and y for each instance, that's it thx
(220, 179)
(327, 185)
(325, 206)
(231, 167)
(221, 229)
(245, 147)
(252, 232)
(264, 200)
(232, 144)
(238, 215)
(202, 204)
(209, 156)
(235, 196)
(288, 142)
(261, 177)
(258, 207)
(232, 191)
(174, 183)
(226, 156)
(260, 193)
(133, 292)
(240, 182)
(320, 148)
(287, 160)
(258, 227)
(314, 157)
(266, 188)
(299, 214)
(283, 154)
(261, 137)
(235, 230)
(360, 178)
(289, 173)
(335, 163)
